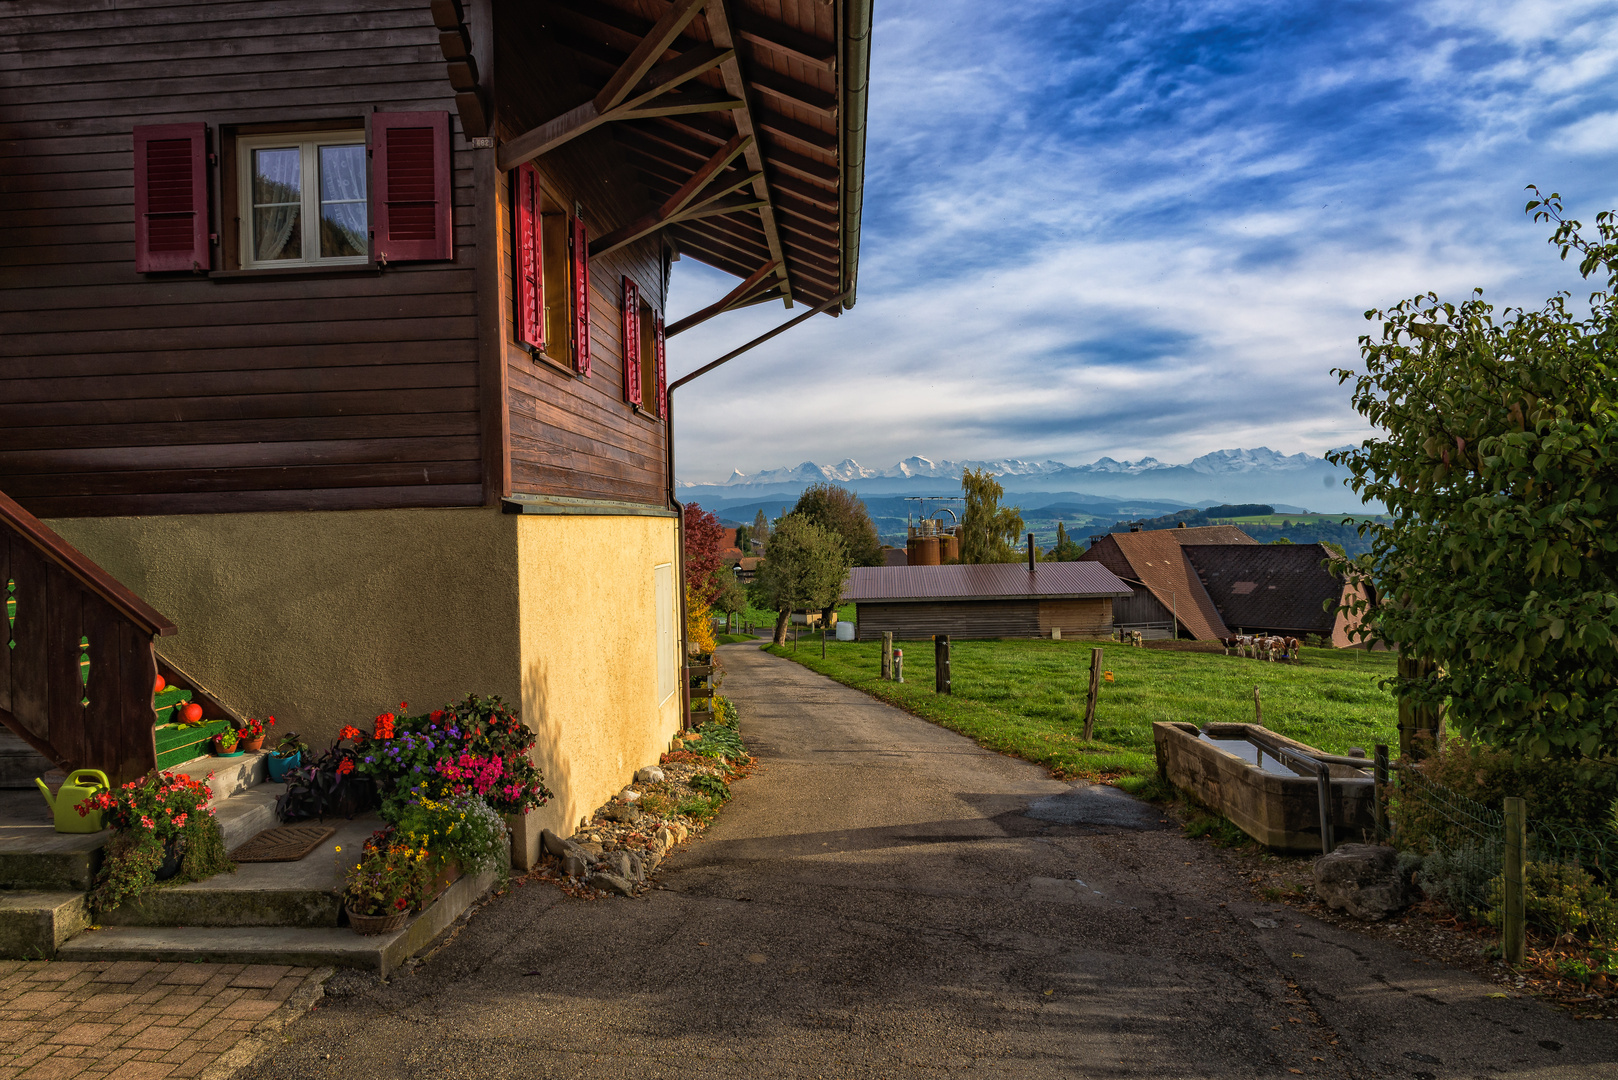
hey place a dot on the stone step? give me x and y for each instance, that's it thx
(289, 894)
(314, 946)
(228, 776)
(34, 923)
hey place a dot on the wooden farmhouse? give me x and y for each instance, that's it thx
(334, 344)
(1166, 598)
(997, 600)
(1281, 589)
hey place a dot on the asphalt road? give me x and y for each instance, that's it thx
(883, 898)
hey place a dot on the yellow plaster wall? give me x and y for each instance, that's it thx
(325, 618)
(589, 658)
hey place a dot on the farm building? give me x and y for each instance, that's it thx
(1167, 599)
(1270, 588)
(335, 334)
(1001, 600)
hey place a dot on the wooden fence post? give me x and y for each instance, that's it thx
(941, 663)
(1095, 689)
(887, 655)
(823, 641)
(1258, 708)
(1513, 938)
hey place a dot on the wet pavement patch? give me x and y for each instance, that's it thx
(1096, 804)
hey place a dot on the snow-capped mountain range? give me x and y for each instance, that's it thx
(1243, 475)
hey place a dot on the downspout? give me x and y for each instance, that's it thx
(856, 87)
(679, 563)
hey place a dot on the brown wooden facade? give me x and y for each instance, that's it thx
(391, 382)
(921, 619)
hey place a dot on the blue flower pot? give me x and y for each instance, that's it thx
(280, 763)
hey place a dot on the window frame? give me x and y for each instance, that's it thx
(308, 143)
(556, 286)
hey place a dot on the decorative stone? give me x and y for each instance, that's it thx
(614, 884)
(637, 869)
(554, 845)
(629, 795)
(622, 812)
(575, 866)
(1361, 879)
(620, 863)
(650, 775)
(663, 839)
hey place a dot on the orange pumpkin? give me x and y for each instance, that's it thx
(158, 687)
(192, 713)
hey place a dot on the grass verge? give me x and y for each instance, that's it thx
(1026, 698)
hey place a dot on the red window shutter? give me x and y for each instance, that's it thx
(631, 333)
(171, 198)
(530, 285)
(662, 371)
(410, 186)
(580, 247)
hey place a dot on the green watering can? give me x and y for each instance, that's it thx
(80, 785)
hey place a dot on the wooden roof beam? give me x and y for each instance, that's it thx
(674, 204)
(733, 298)
(720, 28)
(632, 91)
(784, 41)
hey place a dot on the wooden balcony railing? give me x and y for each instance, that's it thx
(77, 664)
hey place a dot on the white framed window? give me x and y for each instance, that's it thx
(302, 199)
(668, 642)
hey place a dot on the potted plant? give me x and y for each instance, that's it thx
(389, 882)
(225, 744)
(288, 754)
(162, 826)
(250, 736)
(462, 834)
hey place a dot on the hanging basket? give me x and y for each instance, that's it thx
(376, 924)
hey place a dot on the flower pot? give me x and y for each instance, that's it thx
(173, 852)
(376, 924)
(447, 875)
(251, 746)
(220, 751)
(280, 763)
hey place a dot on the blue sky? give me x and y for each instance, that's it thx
(1153, 228)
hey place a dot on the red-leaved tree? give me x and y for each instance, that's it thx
(704, 537)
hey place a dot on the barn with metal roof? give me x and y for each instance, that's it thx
(1000, 600)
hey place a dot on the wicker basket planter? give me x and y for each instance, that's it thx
(376, 924)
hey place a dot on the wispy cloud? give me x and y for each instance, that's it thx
(1153, 228)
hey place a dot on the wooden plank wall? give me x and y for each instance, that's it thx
(571, 436)
(129, 394)
(918, 621)
(1142, 607)
(1076, 618)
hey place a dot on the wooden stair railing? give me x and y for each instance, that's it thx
(77, 664)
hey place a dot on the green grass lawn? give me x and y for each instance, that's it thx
(1027, 697)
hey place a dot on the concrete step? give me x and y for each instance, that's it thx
(229, 776)
(242, 817)
(314, 946)
(34, 923)
(287, 894)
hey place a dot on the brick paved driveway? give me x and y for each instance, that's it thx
(128, 1020)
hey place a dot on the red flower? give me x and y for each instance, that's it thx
(345, 767)
(401, 903)
(349, 732)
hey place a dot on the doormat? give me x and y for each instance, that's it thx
(284, 843)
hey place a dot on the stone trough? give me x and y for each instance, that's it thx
(1259, 780)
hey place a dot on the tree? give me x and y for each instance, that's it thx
(729, 597)
(743, 535)
(761, 528)
(703, 537)
(1066, 549)
(989, 531)
(804, 566)
(844, 513)
(1497, 459)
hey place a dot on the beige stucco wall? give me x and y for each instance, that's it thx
(326, 618)
(589, 656)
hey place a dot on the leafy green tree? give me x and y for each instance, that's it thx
(989, 531)
(1066, 549)
(1497, 459)
(761, 528)
(804, 567)
(728, 595)
(843, 512)
(744, 534)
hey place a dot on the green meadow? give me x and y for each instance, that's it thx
(1027, 697)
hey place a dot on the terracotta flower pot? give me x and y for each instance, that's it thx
(447, 876)
(376, 924)
(251, 745)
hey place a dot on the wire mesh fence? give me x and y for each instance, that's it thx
(1462, 844)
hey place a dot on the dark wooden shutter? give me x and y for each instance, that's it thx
(631, 333)
(530, 285)
(579, 246)
(662, 371)
(171, 198)
(410, 187)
